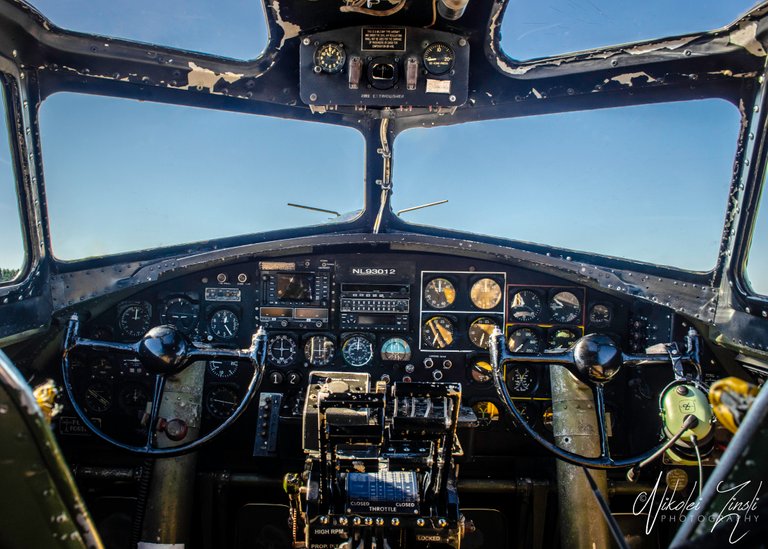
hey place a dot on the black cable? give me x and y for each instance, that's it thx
(142, 495)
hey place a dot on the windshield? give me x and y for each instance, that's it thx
(234, 28)
(123, 175)
(541, 28)
(648, 182)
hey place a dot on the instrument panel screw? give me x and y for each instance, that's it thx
(462, 42)
(452, 98)
(313, 97)
(306, 41)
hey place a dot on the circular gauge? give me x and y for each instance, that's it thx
(101, 368)
(486, 411)
(548, 418)
(525, 306)
(101, 332)
(224, 324)
(525, 411)
(521, 379)
(135, 320)
(98, 397)
(485, 293)
(561, 338)
(180, 312)
(565, 307)
(438, 58)
(222, 368)
(437, 332)
(600, 315)
(396, 349)
(523, 340)
(481, 371)
(330, 58)
(357, 351)
(221, 401)
(480, 331)
(440, 293)
(281, 350)
(133, 398)
(319, 350)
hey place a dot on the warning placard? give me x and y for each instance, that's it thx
(376, 39)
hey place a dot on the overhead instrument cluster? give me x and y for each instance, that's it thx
(381, 66)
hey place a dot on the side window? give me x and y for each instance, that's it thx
(757, 260)
(11, 240)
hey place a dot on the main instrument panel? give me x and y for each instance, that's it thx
(395, 316)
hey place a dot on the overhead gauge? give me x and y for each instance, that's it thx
(481, 371)
(224, 324)
(439, 58)
(480, 331)
(564, 307)
(135, 320)
(561, 338)
(525, 306)
(330, 58)
(600, 315)
(523, 340)
(521, 379)
(319, 350)
(221, 401)
(396, 349)
(180, 312)
(485, 293)
(281, 350)
(357, 351)
(440, 293)
(437, 332)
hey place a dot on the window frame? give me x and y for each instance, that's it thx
(12, 117)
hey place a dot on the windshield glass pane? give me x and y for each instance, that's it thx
(648, 182)
(231, 28)
(542, 28)
(12, 242)
(757, 261)
(124, 175)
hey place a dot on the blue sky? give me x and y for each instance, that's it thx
(206, 175)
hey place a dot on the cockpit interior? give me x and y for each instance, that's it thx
(385, 284)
